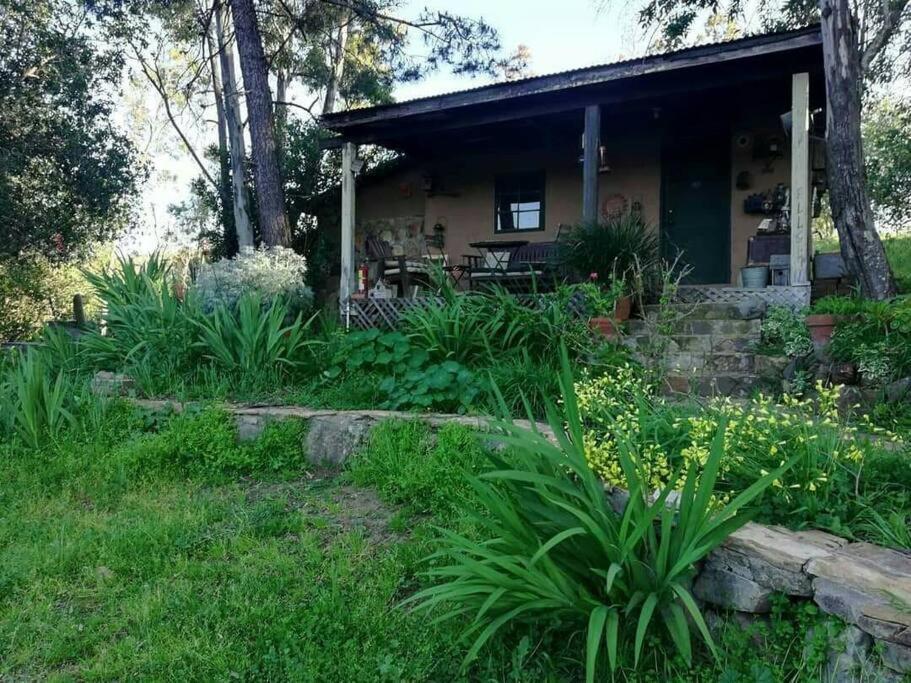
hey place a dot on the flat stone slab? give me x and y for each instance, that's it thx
(731, 591)
(774, 557)
(869, 586)
(896, 657)
(106, 383)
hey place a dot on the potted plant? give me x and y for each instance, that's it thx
(826, 314)
(608, 308)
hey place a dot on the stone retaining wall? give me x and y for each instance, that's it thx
(866, 586)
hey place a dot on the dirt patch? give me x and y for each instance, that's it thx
(339, 507)
(357, 508)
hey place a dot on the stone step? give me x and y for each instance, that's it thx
(715, 328)
(702, 363)
(748, 310)
(734, 384)
(695, 343)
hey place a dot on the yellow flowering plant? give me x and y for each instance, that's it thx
(823, 488)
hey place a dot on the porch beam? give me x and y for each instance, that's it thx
(346, 283)
(800, 179)
(591, 141)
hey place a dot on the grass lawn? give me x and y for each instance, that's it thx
(114, 569)
(160, 549)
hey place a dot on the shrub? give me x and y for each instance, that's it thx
(446, 386)
(784, 331)
(272, 273)
(34, 290)
(525, 382)
(555, 552)
(146, 321)
(877, 337)
(611, 249)
(461, 330)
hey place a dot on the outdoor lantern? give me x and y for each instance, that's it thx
(603, 165)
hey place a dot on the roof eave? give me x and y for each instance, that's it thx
(654, 64)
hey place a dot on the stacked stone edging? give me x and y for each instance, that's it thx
(332, 435)
(867, 586)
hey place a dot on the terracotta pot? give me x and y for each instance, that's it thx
(622, 308)
(606, 327)
(821, 326)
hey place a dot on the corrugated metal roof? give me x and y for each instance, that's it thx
(571, 74)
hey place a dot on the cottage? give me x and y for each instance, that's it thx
(717, 147)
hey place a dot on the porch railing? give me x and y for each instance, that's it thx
(795, 297)
(364, 314)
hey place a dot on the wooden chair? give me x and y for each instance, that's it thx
(396, 269)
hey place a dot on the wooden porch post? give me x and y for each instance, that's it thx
(346, 284)
(800, 179)
(591, 142)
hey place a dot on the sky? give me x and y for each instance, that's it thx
(560, 35)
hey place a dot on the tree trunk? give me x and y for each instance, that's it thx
(281, 110)
(238, 151)
(336, 65)
(270, 195)
(861, 246)
(224, 190)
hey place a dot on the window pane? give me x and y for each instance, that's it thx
(529, 220)
(505, 221)
(519, 202)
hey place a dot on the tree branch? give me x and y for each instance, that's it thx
(892, 18)
(307, 109)
(154, 77)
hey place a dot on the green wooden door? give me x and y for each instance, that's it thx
(696, 206)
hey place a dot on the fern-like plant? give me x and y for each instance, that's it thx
(555, 551)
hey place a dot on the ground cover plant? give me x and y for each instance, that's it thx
(247, 338)
(259, 536)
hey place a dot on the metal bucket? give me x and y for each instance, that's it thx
(754, 277)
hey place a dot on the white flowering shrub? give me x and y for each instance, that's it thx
(271, 272)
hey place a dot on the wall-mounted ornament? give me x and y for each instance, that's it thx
(613, 206)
